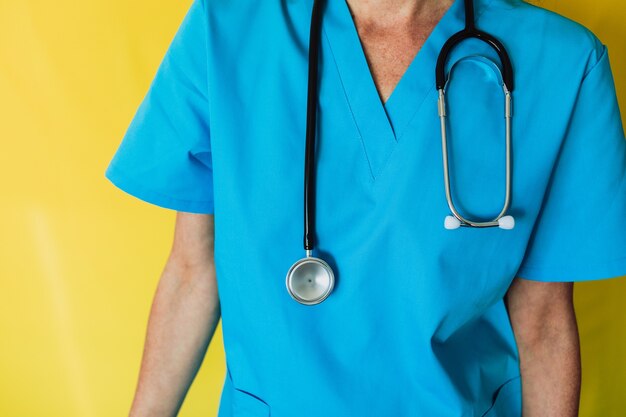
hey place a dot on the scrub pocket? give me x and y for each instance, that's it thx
(508, 400)
(245, 404)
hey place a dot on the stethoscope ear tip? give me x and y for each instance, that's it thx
(451, 223)
(506, 222)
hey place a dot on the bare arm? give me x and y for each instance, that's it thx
(543, 320)
(184, 314)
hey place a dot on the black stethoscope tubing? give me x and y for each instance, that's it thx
(470, 31)
(311, 122)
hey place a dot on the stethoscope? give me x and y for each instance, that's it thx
(310, 280)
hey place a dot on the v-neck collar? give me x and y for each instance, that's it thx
(419, 78)
(380, 124)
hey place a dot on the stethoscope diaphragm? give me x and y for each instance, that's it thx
(310, 280)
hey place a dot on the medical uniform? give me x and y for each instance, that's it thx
(416, 324)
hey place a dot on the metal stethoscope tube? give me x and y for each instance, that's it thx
(501, 220)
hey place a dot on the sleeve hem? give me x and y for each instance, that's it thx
(615, 268)
(129, 186)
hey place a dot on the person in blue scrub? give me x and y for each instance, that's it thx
(423, 320)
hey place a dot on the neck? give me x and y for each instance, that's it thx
(382, 9)
(391, 12)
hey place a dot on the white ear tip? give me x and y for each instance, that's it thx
(506, 222)
(451, 222)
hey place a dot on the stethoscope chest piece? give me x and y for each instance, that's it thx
(310, 280)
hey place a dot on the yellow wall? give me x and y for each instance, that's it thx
(79, 260)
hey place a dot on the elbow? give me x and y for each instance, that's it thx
(542, 315)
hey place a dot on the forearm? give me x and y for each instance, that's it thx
(544, 322)
(184, 314)
(550, 369)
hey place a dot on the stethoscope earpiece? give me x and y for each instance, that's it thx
(451, 223)
(506, 222)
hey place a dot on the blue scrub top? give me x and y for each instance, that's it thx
(416, 325)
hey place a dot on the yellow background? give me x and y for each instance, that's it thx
(80, 260)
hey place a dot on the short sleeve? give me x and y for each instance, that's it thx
(164, 157)
(580, 233)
